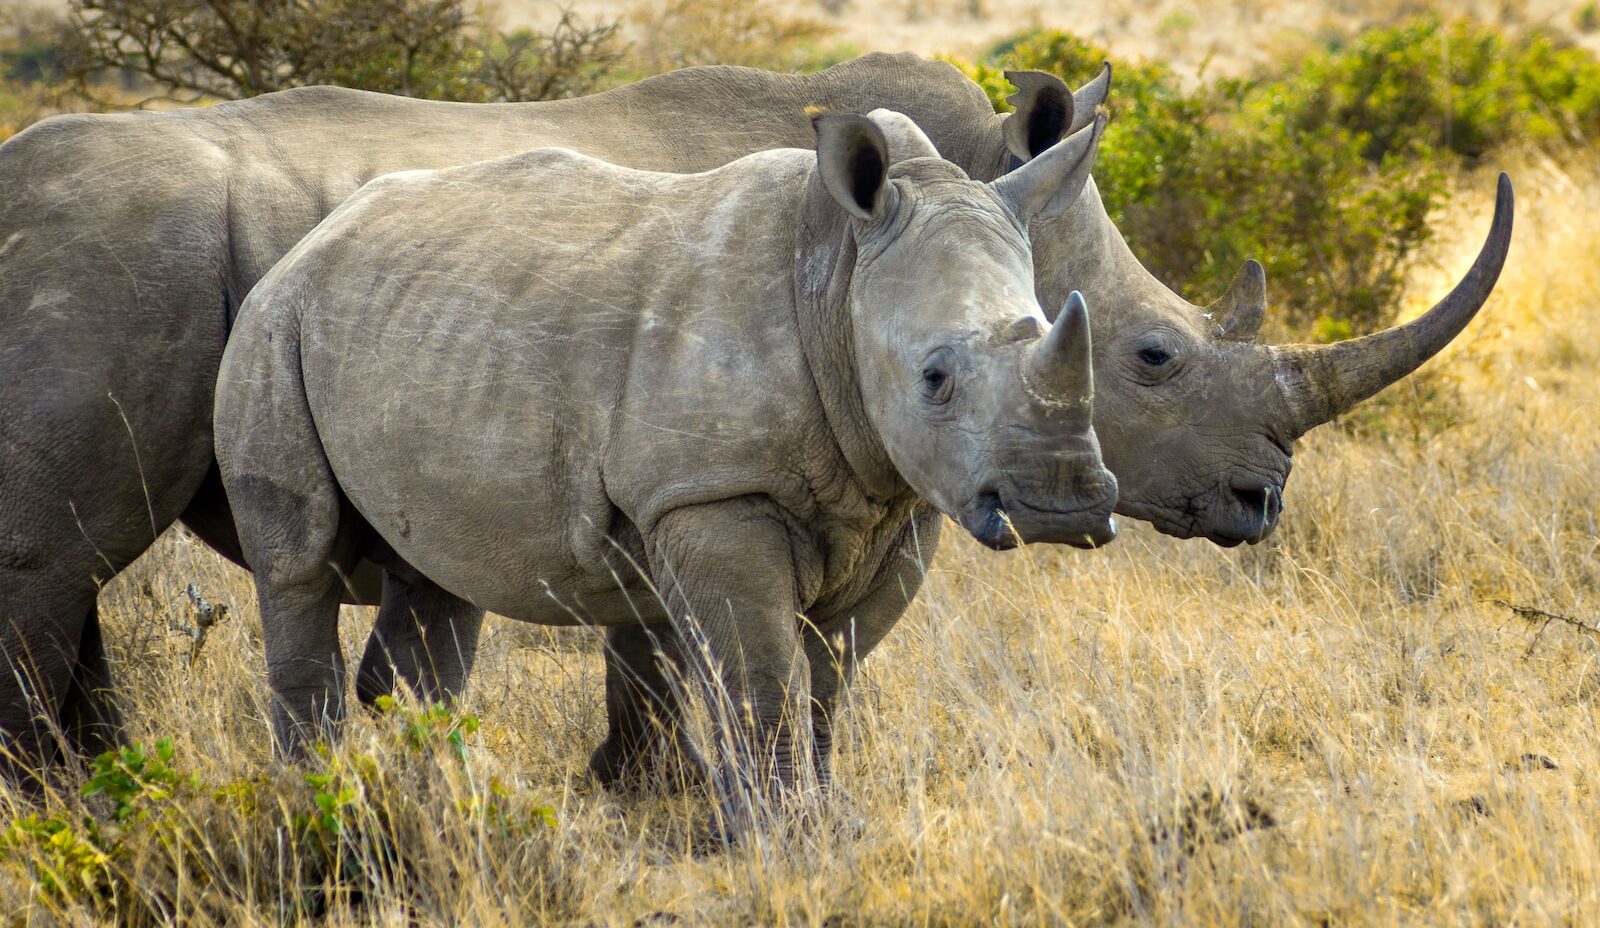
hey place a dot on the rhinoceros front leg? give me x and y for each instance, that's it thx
(647, 747)
(726, 572)
(835, 646)
(424, 636)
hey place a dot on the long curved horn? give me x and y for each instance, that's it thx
(1059, 370)
(1322, 381)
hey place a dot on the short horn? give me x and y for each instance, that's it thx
(1239, 313)
(1060, 370)
(1322, 381)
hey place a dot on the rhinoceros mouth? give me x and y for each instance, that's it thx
(1001, 524)
(1227, 517)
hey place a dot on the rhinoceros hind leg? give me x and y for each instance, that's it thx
(45, 623)
(300, 597)
(424, 636)
(647, 748)
(89, 712)
(209, 516)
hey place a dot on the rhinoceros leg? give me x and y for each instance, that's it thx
(424, 636)
(835, 646)
(727, 575)
(647, 747)
(297, 530)
(89, 715)
(55, 683)
(112, 324)
(211, 519)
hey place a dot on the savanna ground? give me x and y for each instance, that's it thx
(1336, 727)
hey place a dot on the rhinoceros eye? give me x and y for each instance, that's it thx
(936, 385)
(1155, 357)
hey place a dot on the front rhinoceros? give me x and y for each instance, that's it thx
(568, 392)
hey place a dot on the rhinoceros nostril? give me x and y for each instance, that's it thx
(1262, 503)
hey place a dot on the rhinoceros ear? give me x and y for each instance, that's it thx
(853, 160)
(1049, 184)
(906, 139)
(1088, 99)
(1040, 100)
(1044, 108)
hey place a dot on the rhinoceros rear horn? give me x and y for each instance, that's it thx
(1320, 382)
(1049, 184)
(1239, 313)
(1044, 111)
(853, 161)
(1059, 371)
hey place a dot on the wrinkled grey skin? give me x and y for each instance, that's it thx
(555, 388)
(127, 243)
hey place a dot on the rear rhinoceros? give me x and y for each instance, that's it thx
(572, 392)
(127, 243)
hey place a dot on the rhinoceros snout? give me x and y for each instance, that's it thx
(1001, 522)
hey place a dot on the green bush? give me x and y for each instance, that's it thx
(1200, 180)
(193, 50)
(1459, 87)
(1325, 167)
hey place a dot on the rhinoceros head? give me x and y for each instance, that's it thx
(1198, 420)
(983, 407)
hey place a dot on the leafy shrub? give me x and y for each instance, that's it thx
(1326, 167)
(1457, 86)
(227, 49)
(30, 64)
(1200, 180)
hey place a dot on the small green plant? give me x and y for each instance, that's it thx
(134, 777)
(67, 860)
(430, 726)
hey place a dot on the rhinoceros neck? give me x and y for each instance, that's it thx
(824, 260)
(1099, 263)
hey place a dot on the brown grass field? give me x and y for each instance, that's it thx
(1337, 727)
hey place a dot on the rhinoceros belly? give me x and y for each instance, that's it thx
(474, 449)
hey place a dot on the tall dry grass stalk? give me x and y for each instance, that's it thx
(1332, 728)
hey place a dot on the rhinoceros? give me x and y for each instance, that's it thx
(127, 243)
(572, 392)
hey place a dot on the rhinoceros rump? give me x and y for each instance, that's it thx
(564, 390)
(127, 243)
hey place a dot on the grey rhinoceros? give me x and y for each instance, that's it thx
(127, 243)
(572, 392)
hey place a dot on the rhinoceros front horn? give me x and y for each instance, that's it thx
(1059, 369)
(1323, 381)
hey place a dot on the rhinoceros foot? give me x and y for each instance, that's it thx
(660, 766)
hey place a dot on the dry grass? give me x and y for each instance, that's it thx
(1333, 728)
